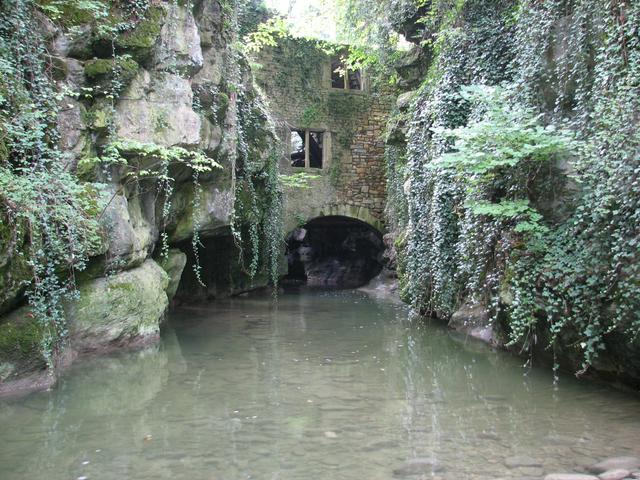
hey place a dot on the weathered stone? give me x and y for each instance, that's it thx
(211, 137)
(616, 474)
(131, 236)
(158, 109)
(119, 310)
(178, 49)
(417, 466)
(569, 476)
(404, 100)
(210, 23)
(626, 463)
(70, 127)
(214, 214)
(517, 461)
(173, 264)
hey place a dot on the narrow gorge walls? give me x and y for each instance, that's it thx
(145, 116)
(512, 168)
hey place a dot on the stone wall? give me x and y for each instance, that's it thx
(295, 76)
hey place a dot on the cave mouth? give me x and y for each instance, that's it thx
(333, 252)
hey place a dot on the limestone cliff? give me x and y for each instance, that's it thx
(160, 84)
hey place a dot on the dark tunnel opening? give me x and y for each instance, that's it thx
(333, 252)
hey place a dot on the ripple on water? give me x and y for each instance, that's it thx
(320, 385)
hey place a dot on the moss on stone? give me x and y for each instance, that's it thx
(101, 72)
(21, 337)
(222, 106)
(143, 36)
(14, 266)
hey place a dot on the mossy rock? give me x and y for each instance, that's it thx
(14, 264)
(121, 309)
(102, 72)
(68, 14)
(21, 338)
(138, 41)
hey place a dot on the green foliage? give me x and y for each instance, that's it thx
(297, 180)
(73, 13)
(309, 116)
(266, 34)
(504, 207)
(37, 193)
(505, 136)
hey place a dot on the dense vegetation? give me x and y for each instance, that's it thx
(52, 204)
(513, 158)
(517, 188)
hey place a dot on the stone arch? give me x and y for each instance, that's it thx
(339, 247)
(360, 213)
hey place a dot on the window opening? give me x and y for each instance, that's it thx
(337, 74)
(315, 149)
(298, 148)
(306, 148)
(343, 78)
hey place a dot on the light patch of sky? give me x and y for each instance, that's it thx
(308, 18)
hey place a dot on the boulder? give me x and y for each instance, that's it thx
(473, 320)
(119, 310)
(173, 264)
(614, 463)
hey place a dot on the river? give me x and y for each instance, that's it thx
(318, 385)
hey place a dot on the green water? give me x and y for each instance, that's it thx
(333, 385)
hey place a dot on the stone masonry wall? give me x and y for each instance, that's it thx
(295, 77)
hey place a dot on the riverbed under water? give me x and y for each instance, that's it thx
(320, 385)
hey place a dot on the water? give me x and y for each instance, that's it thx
(324, 386)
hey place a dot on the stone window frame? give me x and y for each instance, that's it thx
(345, 89)
(326, 147)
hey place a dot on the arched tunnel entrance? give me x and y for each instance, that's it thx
(335, 252)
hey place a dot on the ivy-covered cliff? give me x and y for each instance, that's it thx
(513, 165)
(130, 134)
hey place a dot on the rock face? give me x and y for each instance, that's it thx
(119, 310)
(173, 264)
(178, 80)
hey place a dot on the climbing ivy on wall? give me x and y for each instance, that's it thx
(506, 208)
(48, 217)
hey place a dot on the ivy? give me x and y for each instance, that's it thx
(517, 187)
(38, 196)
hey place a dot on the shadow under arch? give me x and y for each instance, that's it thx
(311, 213)
(334, 251)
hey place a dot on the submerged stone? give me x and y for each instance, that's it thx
(417, 466)
(627, 463)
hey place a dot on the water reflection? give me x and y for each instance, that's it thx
(320, 385)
